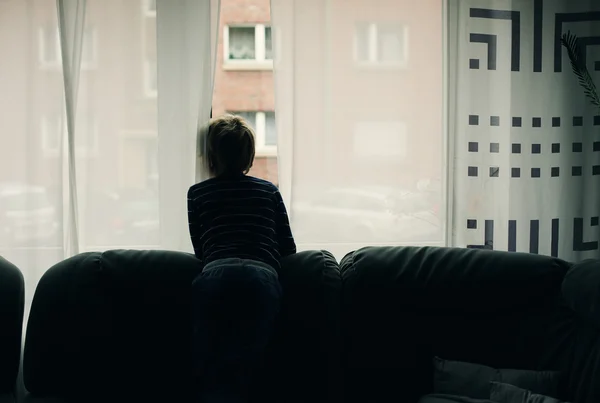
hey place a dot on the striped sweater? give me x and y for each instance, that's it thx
(239, 217)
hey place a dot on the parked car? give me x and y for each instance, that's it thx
(366, 214)
(27, 216)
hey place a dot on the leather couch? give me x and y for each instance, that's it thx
(12, 303)
(114, 326)
(401, 307)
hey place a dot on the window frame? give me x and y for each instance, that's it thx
(81, 151)
(57, 64)
(373, 47)
(260, 47)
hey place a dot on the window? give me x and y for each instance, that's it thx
(263, 124)
(248, 47)
(149, 7)
(384, 139)
(50, 48)
(381, 44)
(54, 134)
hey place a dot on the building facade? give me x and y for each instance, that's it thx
(375, 48)
(244, 76)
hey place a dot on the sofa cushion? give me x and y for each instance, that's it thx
(581, 290)
(303, 362)
(507, 393)
(12, 303)
(474, 380)
(7, 398)
(113, 321)
(402, 306)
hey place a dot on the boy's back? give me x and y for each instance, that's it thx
(240, 230)
(239, 216)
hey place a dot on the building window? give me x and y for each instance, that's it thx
(381, 44)
(54, 135)
(149, 7)
(264, 126)
(248, 47)
(380, 139)
(50, 48)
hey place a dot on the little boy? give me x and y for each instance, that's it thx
(240, 231)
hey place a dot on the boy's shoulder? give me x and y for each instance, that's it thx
(260, 182)
(244, 181)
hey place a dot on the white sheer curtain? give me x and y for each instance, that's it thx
(71, 18)
(435, 122)
(100, 104)
(360, 104)
(187, 44)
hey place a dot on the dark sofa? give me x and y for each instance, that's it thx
(114, 326)
(404, 306)
(12, 303)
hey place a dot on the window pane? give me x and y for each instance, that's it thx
(242, 43)
(380, 140)
(270, 129)
(362, 42)
(390, 43)
(268, 44)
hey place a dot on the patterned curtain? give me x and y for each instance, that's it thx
(524, 138)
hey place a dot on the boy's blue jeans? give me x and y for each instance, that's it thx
(234, 306)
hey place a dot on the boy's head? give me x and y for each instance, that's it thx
(229, 146)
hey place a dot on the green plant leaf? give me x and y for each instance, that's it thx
(576, 57)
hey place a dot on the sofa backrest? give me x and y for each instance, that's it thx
(12, 303)
(118, 322)
(403, 306)
(581, 290)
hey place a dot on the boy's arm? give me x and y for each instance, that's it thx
(287, 246)
(193, 224)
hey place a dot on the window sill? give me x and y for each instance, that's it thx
(247, 65)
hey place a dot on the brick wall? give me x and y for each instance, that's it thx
(422, 113)
(266, 168)
(245, 90)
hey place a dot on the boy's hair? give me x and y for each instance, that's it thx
(229, 146)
